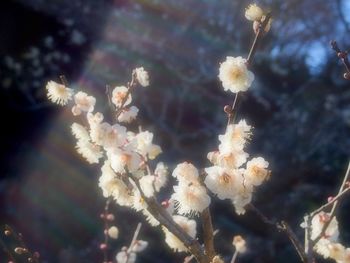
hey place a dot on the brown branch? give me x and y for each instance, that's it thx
(207, 226)
(208, 233)
(284, 227)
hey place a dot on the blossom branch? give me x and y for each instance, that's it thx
(334, 208)
(166, 220)
(258, 36)
(22, 249)
(343, 56)
(130, 86)
(106, 217)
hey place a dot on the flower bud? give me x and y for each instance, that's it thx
(113, 232)
(347, 75)
(103, 246)
(20, 250)
(227, 109)
(239, 243)
(330, 199)
(341, 55)
(7, 232)
(110, 217)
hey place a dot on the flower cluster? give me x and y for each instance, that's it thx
(228, 178)
(328, 246)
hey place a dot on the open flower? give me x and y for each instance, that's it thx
(234, 74)
(119, 95)
(257, 171)
(83, 103)
(191, 198)
(58, 93)
(254, 13)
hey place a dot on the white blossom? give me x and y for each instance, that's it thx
(188, 225)
(223, 182)
(119, 95)
(58, 93)
(111, 185)
(80, 132)
(190, 198)
(124, 159)
(254, 13)
(142, 76)
(128, 114)
(139, 246)
(239, 243)
(186, 172)
(235, 137)
(125, 257)
(83, 103)
(256, 171)
(91, 152)
(234, 74)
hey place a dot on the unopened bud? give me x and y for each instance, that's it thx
(228, 109)
(347, 75)
(7, 232)
(165, 203)
(103, 246)
(102, 216)
(330, 199)
(30, 260)
(110, 217)
(20, 250)
(341, 55)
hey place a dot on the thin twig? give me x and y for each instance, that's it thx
(130, 86)
(134, 238)
(282, 227)
(234, 256)
(333, 200)
(343, 56)
(258, 36)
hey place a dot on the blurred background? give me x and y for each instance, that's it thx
(299, 106)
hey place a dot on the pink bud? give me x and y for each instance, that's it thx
(102, 216)
(228, 109)
(110, 217)
(330, 198)
(103, 246)
(165, 203)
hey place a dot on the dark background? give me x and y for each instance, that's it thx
(298, 104)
